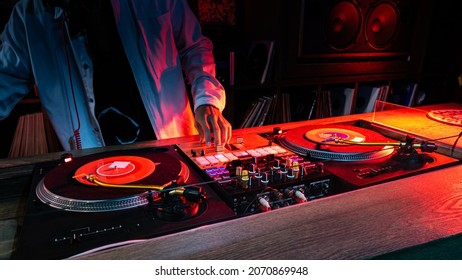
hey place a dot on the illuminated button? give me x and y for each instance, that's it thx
(253, 153)
(212, 172)
(270, 150)
(212, 159)
(279, 149)
(230, 156)
(222, 171)
(221, 158)
(240, 153)
(202, 161)
(261, 151)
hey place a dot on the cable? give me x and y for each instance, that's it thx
(78, 140)
(455, 144)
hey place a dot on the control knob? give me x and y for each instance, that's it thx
(299, 197)
(263, 204)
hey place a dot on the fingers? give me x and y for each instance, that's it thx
(221, 130)
(209, 120)
(203, 128)
(225, 130)
(215, 129)
(201, 132)
(202, 124)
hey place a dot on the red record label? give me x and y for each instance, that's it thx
(116, 170)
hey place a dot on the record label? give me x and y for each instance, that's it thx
(328, 135)
(116, 170)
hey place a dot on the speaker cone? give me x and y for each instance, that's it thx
(382, 24)
(342, 25)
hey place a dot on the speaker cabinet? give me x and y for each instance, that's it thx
(362, 26)
(368, 35)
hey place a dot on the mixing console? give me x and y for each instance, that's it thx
(265, 178)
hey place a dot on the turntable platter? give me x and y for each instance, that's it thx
(65, 186)
(318, 142)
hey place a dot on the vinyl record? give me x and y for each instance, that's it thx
(65, 186)
(453, 117)
(116, 170)
(328, 135)
(318, 142)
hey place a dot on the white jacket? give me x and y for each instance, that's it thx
(161, 39)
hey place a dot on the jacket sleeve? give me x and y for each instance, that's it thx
(15, 73)
(196, 53)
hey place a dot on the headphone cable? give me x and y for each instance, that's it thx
(77, 138)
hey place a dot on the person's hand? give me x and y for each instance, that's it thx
(208, 121)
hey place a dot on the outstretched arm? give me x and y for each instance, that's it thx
(199, 66)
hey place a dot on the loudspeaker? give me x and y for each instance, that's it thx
(355, 29)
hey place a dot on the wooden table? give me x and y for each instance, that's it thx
(355, 225)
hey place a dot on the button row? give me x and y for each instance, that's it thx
(226, 157)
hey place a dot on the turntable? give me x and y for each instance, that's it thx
(358, 156)
(114, 198)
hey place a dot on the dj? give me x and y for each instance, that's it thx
(111, 71)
